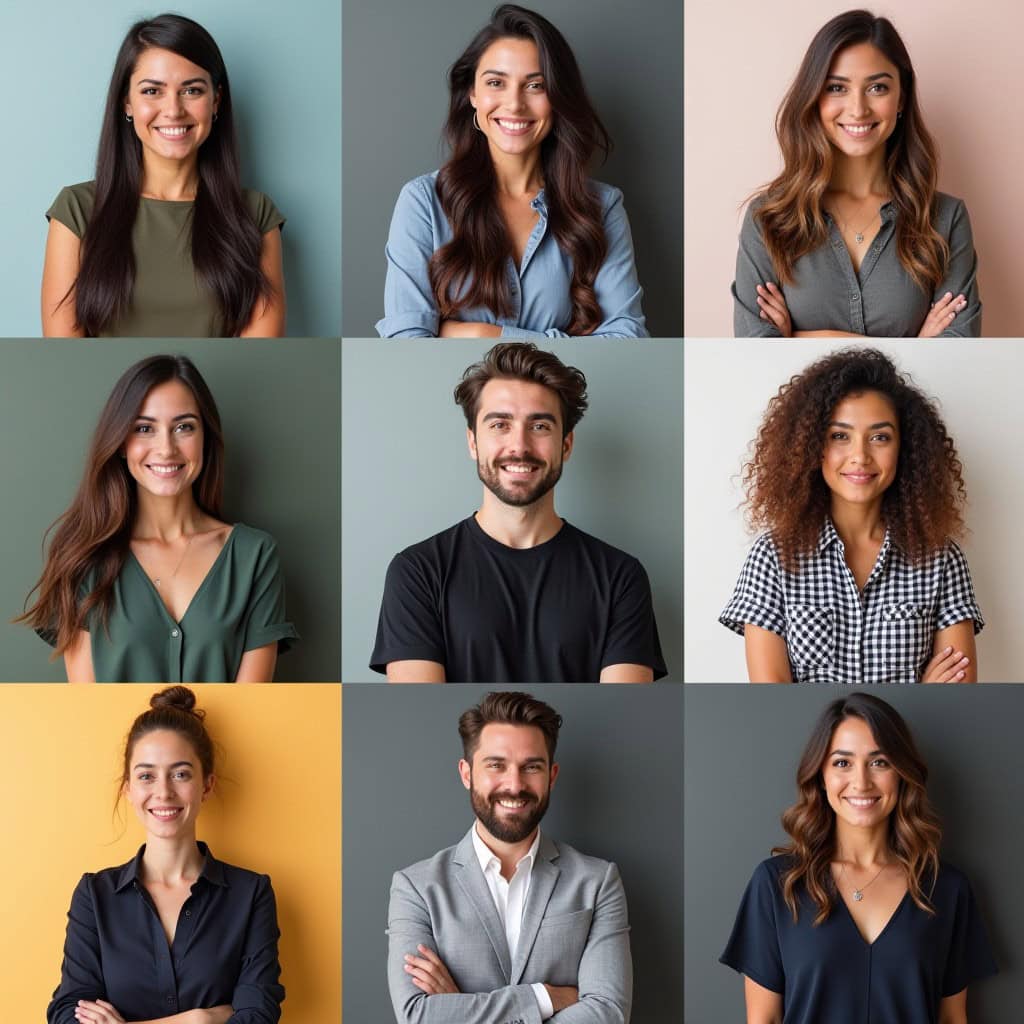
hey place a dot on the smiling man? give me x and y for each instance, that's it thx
(515, 593)
(509, 927)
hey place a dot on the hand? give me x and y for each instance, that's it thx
(468, 329)
(773, 308)
(214, 1015)
(941, 315)
(99, 1012)
(428, 973)
(562, 996)
(948, 666)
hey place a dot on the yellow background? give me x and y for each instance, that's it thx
(277, 810)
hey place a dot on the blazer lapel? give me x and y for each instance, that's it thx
(542, 885)
(471, 878)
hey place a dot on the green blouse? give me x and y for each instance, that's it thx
(238, 607)
(169, 300)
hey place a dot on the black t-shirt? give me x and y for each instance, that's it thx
(555, 613)
(829, 975)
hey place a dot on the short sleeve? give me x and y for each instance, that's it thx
(73, 207)
(753, 947)
(758, 597)
(970, 955)
(956, 600)
(265, 618)
(409, 627)
(410, 309)
(263, 210)
(753, 267)
(81, 972)
(962, 276)
(632, 637)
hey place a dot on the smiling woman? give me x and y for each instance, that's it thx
(164, 242)
(143, 579)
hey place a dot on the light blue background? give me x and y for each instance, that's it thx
(284, 64)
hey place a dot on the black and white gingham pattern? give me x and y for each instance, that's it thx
(834, 634)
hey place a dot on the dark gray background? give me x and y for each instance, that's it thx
(742, 748)
(407, 474)
(280, 409)
(617, 797)
(396, 57)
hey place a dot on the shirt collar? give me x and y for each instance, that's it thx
(213, 869)
(829, 536)
(486, 857)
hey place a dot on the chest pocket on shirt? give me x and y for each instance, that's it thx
(908, 630)
(810, 637)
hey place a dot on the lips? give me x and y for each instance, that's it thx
(512, 803)
(513, 126)
(173, 132)
(166, 813)
(165, 469)
(858, 131)
(862, 803)
(859, 478)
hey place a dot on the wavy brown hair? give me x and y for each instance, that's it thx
(787, 493)
(789, 210)
(470, 270)
(91, 539)
(914, 829)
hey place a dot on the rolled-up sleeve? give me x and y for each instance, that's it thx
(962, 277)
(258, 992)
(81, 972)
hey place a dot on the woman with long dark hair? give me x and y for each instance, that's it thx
(511, 238)
(856, 918)
(858, 577)
(143, 578)
(174, 936)
(853, 238)
(165, 241)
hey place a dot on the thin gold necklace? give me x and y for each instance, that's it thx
(158, 579)
(858, 894)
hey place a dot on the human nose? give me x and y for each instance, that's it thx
(862, 777)
(174, 104)
(859, 450)
(858, 104)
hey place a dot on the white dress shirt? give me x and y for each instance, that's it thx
(510, 900)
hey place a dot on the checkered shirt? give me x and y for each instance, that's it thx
(835, 634)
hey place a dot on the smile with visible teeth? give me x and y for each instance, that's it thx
(512, 126)
(862, 801)
(512, 805)
(165, 814)
(858, 130)
(165, 470)
(518, 467)
(169, 132)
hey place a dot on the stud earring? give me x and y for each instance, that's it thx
(127, 116)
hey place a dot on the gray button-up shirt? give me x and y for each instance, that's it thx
(882, 301)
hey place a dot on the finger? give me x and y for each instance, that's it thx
(769, 312)
(428, 953)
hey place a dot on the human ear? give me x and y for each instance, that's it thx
(471, 442)
(567, 443)
(465, 773)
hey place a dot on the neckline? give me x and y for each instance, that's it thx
(885, 927)
(496, 545)
(202, 585)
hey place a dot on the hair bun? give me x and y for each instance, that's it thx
(180, 697)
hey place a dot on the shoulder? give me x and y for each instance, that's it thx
(607, 195)
(950, 213)
(243, 879)
(251, 539)
(764, 552)
(420, 190)
(615, 562)
(429, 870)
(263, 209)
(438, 547)
(580, 864)
(73, 206)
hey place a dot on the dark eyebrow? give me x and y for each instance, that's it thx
(177, 764)
(874, 426)
(870, 78)
(504, 74)
(181, 416)
(849, 753)
(531, 417)
(188, 81)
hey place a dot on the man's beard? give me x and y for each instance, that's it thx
(519, 496)
(508, 830)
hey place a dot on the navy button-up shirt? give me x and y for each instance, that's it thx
(224, 950)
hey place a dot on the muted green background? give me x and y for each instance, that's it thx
(284, 64)
(407, 474)
(279, 406)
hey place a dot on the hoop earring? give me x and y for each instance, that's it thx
(215, 117)
(476, 123)
(899, 114)
(128, 117)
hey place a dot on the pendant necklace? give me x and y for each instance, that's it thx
(859, 235)
(157, 580)
(858, 894)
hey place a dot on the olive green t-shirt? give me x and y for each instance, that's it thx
(169, 300)
(238, 607)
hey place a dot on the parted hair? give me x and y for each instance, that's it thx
(789, 210)
(514, 360)
(914, 829)
(786, 491)
(509, 708)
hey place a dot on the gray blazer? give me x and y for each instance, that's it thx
(575, 932)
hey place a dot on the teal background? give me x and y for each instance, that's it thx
(284, 64)
(279, 405)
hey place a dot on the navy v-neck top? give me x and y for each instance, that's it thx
(830, 974)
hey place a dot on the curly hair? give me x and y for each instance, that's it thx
(786, 491)
(914, 829)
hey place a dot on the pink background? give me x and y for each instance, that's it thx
(741, 55)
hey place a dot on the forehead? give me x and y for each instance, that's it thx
(511, 742)
(511, 55)
(163, 746)
(865, 407)
(860, 61)
(520, 398)
(853, 734)
(166, 66)
(172, 398)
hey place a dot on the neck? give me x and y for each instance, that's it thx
(166, 519)
(859, 523)
(517, 176)
(171, 861)
(860, 177)
(170, 179)
(863, 847)
(516, 526)
(510, 854)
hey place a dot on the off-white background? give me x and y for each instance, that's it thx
(727, 388)
(740, 58)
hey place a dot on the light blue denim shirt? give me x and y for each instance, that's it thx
(542, 307)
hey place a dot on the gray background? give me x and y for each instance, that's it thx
(617, 797)
(279, 409)
(283, 62)
(396, 61)
(407, 474)
(742, 748)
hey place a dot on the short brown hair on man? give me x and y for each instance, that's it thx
(518, 360)
(509, 708)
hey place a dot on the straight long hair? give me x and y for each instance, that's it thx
(789, 210)
(225, 239)
(470, 270)
(92, 537)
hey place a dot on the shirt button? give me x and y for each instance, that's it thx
(174, 633)
(188, 913)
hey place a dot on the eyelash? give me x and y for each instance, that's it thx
(190, 90)
(842, 762)
(840, 435)
(497, 83)
(879, 88)
(181, 428)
